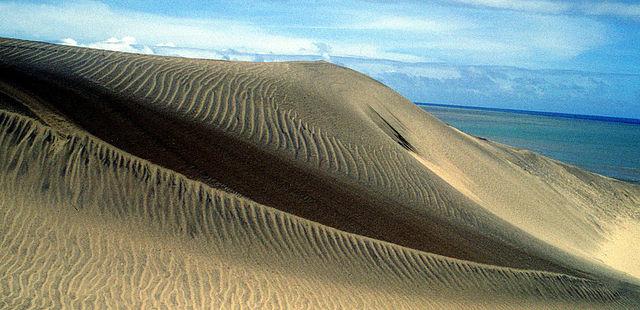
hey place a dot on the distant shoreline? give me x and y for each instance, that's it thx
(554, 114)
(636, 182)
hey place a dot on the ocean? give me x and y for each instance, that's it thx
(605, 145)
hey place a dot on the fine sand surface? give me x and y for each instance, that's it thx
(142, 181)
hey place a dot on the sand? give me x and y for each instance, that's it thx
(143, 181)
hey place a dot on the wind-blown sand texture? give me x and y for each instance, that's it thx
(142, 181)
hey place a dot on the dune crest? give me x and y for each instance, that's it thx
(281, 184)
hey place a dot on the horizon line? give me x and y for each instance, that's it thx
(615, 119)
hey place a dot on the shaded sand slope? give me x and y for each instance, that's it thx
(311, 139)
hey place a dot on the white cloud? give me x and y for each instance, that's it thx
(166, 44)
(126, 44)
(69, 41)
(613, 9)
(188, 52)
(509, 87)
(413, 24)
(72, 19)
(538, 6)
(368, 50)
(437, 73)
(617, 9)
(431, 35)
(431, 71)
(563, 37)
(484, 45)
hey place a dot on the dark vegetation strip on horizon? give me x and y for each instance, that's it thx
(540, 113)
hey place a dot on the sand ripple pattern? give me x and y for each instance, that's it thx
(76, 205)
(254, 103)
(142, 181)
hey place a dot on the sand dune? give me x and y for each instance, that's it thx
(145, 181)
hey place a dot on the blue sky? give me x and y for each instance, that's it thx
(575, 57)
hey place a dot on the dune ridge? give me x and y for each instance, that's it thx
(321, 142)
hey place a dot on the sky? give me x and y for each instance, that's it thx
(579, 57)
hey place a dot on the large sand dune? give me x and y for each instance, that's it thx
(138, 180)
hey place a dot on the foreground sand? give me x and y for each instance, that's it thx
(136, 180)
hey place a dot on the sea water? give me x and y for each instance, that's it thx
(608, 146)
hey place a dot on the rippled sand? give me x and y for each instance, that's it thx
(141, 181)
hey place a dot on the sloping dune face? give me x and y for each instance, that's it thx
(148, 181)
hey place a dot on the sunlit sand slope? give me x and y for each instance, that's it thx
(227, 147)
(85, 224)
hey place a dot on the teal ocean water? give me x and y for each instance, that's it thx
(608, 146)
